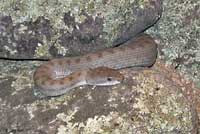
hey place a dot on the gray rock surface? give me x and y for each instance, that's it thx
(71, 30)
(178, 34)
(148, 101)
(151, 100)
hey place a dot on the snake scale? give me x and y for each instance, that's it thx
(58, 76)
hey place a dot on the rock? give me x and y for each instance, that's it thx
(149, 100)
(71, 27)
(178, 34)
(153, 100)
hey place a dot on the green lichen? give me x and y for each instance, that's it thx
(142, 3)
(165, 110)
(117, 14)
(110, 124)
(42, 50)
(179, 29)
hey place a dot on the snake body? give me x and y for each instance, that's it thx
(58, 76)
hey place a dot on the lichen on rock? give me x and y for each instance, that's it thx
(179, 36)
(69, 25)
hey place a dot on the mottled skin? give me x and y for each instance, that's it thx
(58, 76)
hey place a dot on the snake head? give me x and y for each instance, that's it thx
(103, 76)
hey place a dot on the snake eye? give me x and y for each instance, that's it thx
(109, 79)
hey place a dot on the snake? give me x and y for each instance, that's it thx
(101, 68)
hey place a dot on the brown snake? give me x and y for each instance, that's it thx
(58, 76)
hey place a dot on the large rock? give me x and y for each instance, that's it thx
(42, 30)
(178, 34)
(148, 101)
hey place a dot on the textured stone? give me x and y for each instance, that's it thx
(71, 27)
(157, 100)
(148, 101)
(178, 34)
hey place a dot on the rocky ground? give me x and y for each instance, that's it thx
(161, 99)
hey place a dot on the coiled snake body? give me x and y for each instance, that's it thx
(58, 76)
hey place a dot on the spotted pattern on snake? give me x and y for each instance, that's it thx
(58, 76)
